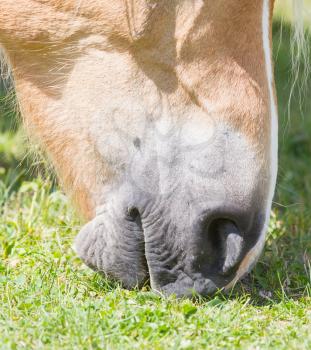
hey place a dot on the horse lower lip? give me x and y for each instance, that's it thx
(202, 287)
(118, 252)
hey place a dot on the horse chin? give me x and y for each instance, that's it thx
(119, 255)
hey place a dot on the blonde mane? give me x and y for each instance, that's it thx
(300, 50)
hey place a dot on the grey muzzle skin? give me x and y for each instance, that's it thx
(183, 216)
(183, 256)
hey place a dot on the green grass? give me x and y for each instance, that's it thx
(50, 300)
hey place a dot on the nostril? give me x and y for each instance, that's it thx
(134, 215)
(227, 242)
(133, 212)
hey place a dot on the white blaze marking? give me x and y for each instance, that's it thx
(253, 254)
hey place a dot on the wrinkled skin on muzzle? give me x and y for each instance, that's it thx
(176, 219)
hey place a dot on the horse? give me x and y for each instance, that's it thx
(160, 120)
